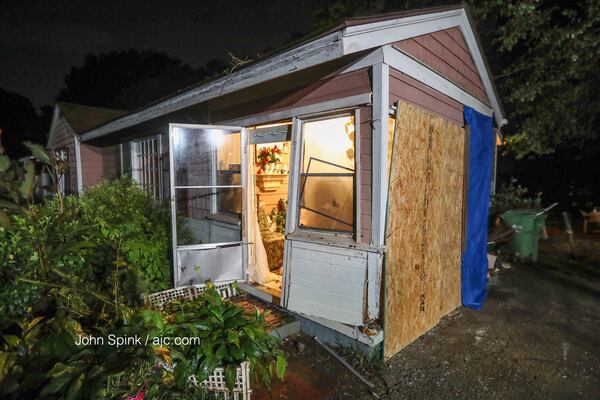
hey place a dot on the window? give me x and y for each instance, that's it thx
(64, 182)
(327, 177)
(146, 165)
(207, 184)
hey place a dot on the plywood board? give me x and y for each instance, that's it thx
(424, 229)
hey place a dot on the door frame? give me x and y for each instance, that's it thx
(243, 185)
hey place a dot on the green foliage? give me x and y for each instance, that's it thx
(77, 266)
(278, 215)
(513, 196)
(134, 230)
(40, 358)
(547, 57)
(228, 335)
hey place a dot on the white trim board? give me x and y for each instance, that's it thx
(55, 116)
(415, 69)
(303, 111)
(77, 141)
(365, 36)
(381, 96)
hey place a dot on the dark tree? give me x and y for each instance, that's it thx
(19, 122)
(129, 79)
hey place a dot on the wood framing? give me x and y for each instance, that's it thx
(423, 235)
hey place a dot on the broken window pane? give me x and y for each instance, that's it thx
(327, 178)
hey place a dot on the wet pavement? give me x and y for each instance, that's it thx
(538, 337)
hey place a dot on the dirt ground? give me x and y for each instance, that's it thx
(538, 337)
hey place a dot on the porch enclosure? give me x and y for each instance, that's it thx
(207, 175)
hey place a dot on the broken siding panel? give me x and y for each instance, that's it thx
(447, 53)
(327, 282)
(403, 87)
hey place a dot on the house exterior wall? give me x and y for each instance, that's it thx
(447, 53)
(403, 87)
(331, 88)
(98, 163)
(337, 87)
(366, 174)
(63, 136)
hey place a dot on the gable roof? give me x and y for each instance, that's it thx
(351, 36)
(80, 117)
(83, 118)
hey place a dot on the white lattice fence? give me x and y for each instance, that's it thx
(215, 383)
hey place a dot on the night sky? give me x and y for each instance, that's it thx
(41, 40)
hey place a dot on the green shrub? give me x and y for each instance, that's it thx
(134, 230)
(228, 336)
(512, 196)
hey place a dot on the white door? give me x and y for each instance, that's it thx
(208, 180)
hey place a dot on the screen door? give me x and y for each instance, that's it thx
(207, 202)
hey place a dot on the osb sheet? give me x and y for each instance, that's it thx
(423, 233)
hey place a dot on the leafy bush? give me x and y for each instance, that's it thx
(76, 266)
(513, 196)
(228, 336)
(134, 230)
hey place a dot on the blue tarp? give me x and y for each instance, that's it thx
(474, 260)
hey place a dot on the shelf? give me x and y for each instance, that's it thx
(269, 182)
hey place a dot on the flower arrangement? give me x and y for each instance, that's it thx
(268, 156)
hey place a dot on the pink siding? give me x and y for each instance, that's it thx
(366, 167)
(98, 163)
(62, 137)
(447, 52)
(410, 90)
(340, 86)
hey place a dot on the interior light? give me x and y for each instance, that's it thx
(217, 137)
(175, 136)
(271, 125)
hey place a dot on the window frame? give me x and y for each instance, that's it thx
(64, 180)
(133, 158)
(299, 153)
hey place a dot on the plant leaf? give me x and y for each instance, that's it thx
(4, 163)
(26, 187)
(39, 152)
(4, 219)
(230, 376)
(280, 366)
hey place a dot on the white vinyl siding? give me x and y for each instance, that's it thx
(327, 282)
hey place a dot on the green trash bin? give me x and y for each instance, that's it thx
(525, 243)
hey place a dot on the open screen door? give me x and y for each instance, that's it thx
(207, 203)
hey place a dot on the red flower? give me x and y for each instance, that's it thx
(278, 151)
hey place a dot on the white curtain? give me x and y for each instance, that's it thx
(258, 266)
